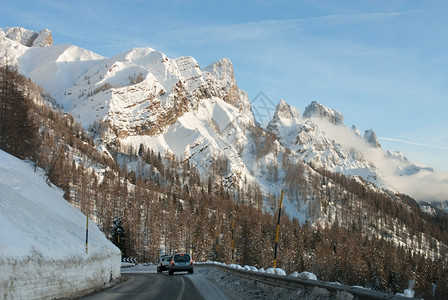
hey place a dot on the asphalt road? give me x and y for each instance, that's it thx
(180, 286)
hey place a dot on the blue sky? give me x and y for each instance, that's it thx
(383, 64)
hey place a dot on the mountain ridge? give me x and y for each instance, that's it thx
(142, 96)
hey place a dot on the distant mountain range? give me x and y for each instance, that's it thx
(200, 115)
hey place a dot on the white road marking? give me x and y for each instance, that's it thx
(182, 289)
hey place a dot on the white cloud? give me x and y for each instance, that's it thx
(425, 185)
(228, 33)
(413, 143)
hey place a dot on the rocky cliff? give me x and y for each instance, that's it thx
(317, 110)
(27, 37)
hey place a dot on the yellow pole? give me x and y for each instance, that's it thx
(217, 244)
(278, 230)
(87, 234)
(233, 245)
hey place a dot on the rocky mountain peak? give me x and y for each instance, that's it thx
(221, 69)
(28, 37)
(221, 79)
(285, 111)
(371, 138)
(318, 110)
(356, 131)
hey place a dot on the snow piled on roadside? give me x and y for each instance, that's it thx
(409, 293)
(304, 275)
(277, 271)
(245, 288)
(42, 249)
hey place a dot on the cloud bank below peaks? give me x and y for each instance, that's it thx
(400, 175)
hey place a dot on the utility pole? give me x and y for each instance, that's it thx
(278, 230)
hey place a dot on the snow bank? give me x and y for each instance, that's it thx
(42, 249)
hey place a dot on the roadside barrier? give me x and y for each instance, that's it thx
(335, 290)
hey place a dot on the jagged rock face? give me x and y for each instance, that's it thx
(29, 38)
(139, 92)
(442, 205)
(285, 117)
(222, 84)
(310, 144)
(320, 111)
(398, 156)
(355, 130)
(168, 89)
(44, 39)
(371, 139)
(285, 111)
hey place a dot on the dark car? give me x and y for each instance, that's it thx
(164, 262)
(181, 262)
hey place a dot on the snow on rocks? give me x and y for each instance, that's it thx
(407, 293)
(250, 268)
(244, 288)
(318, 110)
(233, 266)
(42, 250)
(304, 275)
(277, 271)
(27, 37)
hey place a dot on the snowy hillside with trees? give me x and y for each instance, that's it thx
(164, 144)
(42, 249)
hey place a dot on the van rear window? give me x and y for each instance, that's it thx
(182, 258)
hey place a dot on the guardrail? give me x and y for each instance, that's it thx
(336, 291)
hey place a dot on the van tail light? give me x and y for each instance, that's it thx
(191, 262)
(172, 263)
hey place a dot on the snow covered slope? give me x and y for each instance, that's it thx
(137, 92)
(42, 249)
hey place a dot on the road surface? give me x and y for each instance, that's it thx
(180, 286)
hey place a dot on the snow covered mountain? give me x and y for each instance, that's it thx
(312, 144)
(177, 108)
(27, 37)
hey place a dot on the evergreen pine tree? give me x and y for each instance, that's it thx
(118, 235)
